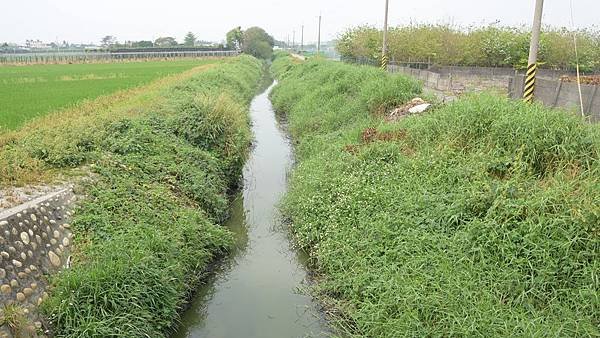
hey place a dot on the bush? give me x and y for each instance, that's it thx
(485, 46)
(476, 219)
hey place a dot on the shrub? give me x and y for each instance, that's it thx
(484, 46)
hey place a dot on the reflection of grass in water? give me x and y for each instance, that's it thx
(29, 91)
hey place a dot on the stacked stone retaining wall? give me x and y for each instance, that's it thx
(35, 241)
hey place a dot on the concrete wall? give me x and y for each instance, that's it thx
(451, 82)
(550, 91)
(34, 242)
(493, 71)
(555, 93)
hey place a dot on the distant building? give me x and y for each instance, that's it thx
(36, 44)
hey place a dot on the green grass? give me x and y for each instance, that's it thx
(479, 218)
(31, 91)
(163, 159)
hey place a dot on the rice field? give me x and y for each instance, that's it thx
(27, 92)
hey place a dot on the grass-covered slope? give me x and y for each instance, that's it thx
(480, 218)
(163, 163)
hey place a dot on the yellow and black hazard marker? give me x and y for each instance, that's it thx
(384, 62)
(530, 83)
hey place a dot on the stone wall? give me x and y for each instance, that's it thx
(35, 238)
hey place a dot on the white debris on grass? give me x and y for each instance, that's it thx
(415, 106)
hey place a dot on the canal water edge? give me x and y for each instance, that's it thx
(254, 293)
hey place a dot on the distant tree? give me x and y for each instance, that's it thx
(142, 44)
(166, 42)
(108, 41)
(258, 43)
(189, 39)
(235, 38)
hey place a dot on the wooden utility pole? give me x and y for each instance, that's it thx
(319, 38)
(384, 54)
(529, 87)
(294, 40)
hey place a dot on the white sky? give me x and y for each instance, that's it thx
(90, 20)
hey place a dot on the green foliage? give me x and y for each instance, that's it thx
(258, 43)
(32, 91)
(485, 46)
(165, 42)
(479, 218)
(189, 39)
(108, 41)
(148, 226)
(142, 44)
(235, 38)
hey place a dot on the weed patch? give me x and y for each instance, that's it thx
(479, 218)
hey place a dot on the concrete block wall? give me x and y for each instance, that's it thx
(559, 94)
(35, 241)
(451, 82)
(495, 71)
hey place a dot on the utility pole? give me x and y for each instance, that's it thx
(302, 40)
(294, 40)
(384, 54)
(529, 88)
(319, 38)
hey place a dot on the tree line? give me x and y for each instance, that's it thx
(490, 46)
(254, 41)
(189, 40)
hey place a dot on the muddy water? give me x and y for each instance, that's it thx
(255, 293)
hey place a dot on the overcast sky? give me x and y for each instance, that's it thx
(88, 21)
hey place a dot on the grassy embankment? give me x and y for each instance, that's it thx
(27, 92)
(479, 218)
(164, 158)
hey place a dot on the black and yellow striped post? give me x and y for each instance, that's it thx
(384, 62)
(529, 88)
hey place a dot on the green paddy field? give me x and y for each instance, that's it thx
(30, 91)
